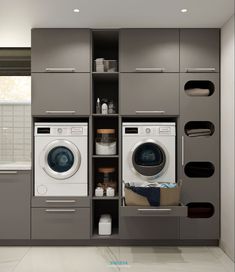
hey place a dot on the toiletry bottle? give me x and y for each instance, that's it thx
(104, 107)
(98, 108)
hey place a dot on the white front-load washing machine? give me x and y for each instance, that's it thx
(60, 161)
(148, 152)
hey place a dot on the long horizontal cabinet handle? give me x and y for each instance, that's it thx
(8, 172)
(197, 70)
(146, 111)
(60, 70)
(149, 70)
(60, 210)
(60, 201)
(154, 210)
(60, 112)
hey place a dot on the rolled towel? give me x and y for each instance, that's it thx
(198, 92)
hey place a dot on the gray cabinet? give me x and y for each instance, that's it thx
(60, 223)
(61, 202)
(60, 94)
(15, 204)
(149, 50)
(61, 50)
(199, 156)
(199, 50)
(150, 228)
(151, 94)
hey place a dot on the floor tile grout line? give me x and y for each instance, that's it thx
(21, 259)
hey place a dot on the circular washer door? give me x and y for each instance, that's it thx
(61, 159)
(149, 159)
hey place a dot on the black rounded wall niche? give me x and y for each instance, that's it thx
(199, 128)
(199, 169)
(199, 88)
(200, 210)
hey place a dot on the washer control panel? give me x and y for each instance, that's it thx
(149, 129)
(60, 129)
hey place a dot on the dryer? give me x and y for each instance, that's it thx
(148, 152)
(60, 160)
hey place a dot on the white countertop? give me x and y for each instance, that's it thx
(5, 166)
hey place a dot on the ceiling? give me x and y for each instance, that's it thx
(17, 17)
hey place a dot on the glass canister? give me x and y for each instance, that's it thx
(106, 142)
(106, 178)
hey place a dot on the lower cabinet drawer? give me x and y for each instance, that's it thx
(160, 211)
(60, 223)
(149, 228)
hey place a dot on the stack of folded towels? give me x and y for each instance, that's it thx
(198, 132)
(198, 92)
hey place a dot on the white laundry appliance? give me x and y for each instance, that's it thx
(148, 152)
(60, 162)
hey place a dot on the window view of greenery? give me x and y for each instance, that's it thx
(15, 89)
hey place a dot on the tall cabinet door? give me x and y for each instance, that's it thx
(149, 50)
(199, 50)
(199, 157)
(61, 50)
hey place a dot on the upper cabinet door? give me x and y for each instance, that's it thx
(199, 50)
(149, 94)
(61, 50)
(149, 50)
(62, 94)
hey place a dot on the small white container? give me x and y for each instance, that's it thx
(110, 191)
(105, 225)
(99, 191)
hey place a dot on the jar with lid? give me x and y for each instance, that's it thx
(106, 142)
(111, 107)
(106, 178)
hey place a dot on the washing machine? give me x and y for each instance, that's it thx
(148, 152)
(60, 160)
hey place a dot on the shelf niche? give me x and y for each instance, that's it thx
(199, 169)
(199, 88)
(200, 210)
(199, 129)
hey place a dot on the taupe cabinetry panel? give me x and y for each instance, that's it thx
(152, 94)
(60, 94)
(60, 202)
(61, 50)
(15, 204)
(149, 228)
(60, 223)
(199, 160)
(161, 211)
(199, 50)
(149, 50)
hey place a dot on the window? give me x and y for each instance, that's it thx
(15, 89)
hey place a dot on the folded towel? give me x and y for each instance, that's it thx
(167, 185)
(151, 193)
(198, 92)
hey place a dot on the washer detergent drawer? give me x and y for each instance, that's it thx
(60, 223)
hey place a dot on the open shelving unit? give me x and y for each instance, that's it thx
(105, 85)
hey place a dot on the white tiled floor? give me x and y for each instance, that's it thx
(131, 259)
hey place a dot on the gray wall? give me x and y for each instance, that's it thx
(15, 132)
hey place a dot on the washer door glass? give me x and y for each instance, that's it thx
(149, 159)
(60, 159)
